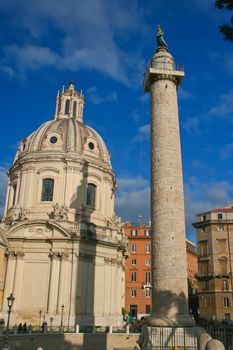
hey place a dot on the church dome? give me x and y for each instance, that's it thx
(66, 134)
(60, 224)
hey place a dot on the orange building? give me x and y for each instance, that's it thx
(138, 271)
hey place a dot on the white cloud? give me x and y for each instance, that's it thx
(224, 107)
(133, 199)
(143, 133)
(201, 196)
(28, 57)
(86, 36)
(3, 186)
(132, 183)
(97, 97)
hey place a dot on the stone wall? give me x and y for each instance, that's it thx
(73, 341)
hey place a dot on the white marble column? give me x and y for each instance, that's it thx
(62, 282)
(118, 289)
(54, 279)
(7, 199)
(74, 287)
(18, 279)
(107, 287)
(90, 287)
(21, 201)
(10, 276)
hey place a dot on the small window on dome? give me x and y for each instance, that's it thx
(67, 106)
(91, 145)
(53, 139)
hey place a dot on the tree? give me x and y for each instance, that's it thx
(226, 29)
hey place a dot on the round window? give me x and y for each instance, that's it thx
(53, 139)
(91, 145)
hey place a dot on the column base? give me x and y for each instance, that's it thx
(168, 337)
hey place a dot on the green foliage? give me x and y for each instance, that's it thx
(226, 29)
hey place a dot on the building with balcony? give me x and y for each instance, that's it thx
(138, 271)
(214, 231)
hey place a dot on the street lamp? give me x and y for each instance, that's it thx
(10, 302)
(62, 311)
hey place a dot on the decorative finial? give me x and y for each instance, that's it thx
(71, 86)
(63, 88)
(159, 38)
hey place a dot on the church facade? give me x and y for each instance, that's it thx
(64, 246)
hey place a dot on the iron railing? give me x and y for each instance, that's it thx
(166, 338)
(165, 65)
(223, 333)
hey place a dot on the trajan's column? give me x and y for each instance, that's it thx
(169, 285)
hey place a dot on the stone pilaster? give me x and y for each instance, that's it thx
(17, 285)
(75, 289)
(54, 281)
(12, 257)
(62, 278)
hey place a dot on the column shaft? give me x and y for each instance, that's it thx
(10, 276)
(53, 286)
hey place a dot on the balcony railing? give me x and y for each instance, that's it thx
(165, 66)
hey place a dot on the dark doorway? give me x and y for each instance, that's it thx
(133, 310)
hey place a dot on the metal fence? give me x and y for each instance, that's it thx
(168, 338)
(71, 329)
(222, 333)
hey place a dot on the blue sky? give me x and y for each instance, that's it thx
(104, 46)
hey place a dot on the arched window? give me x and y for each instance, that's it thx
(67, 106)
(14, 193)
(74, 108)
(47, 190)
(91, 195)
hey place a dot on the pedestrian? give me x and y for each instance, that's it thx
(20, 328)
(25, 330)
(44, 325)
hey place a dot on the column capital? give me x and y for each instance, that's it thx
(58, 255)
(64, 255)
(14, 254)
(111, 261)
(54, 255)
